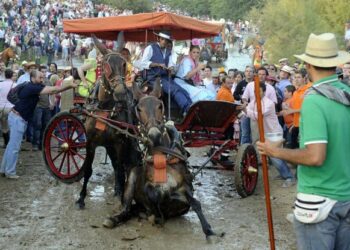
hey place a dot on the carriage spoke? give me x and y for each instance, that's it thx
(57, 138)
(73, 129)
(68, 164)
(75, 163)
(61, 165)
(82, 157)
(78, 145)
(60, 130)
(80, 134)
(57, 156)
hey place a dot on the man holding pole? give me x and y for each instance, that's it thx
(322, 207)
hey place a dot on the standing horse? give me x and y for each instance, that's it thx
(163, 185)
(114, 103)
(7, 55)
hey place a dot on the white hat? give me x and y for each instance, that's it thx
(322, 51)
(164, 34)
(287, 69)
(282, 60)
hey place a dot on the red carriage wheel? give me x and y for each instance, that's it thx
(246, 170)
(64, 147)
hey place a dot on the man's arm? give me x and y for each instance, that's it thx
(81, 70)
(312, 155)
(50, 90)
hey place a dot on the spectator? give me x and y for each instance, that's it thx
(224, 93)
(42, 113)
(288, 118)
(346, 73)
(271, 125)
(285, 74)
(19, 116)
(2, 70)
(300, 81)
(28, 67)
(249, 96)
(323, 157)
(5, 105)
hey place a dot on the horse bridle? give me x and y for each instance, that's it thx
(114, 80)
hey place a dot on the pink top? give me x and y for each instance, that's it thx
(271, 124)
(250, 95)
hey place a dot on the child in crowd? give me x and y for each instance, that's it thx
(288, 118)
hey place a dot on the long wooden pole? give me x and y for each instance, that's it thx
(264, 164)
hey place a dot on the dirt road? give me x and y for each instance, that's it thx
(38, 212)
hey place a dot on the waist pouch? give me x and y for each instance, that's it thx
(311, 208)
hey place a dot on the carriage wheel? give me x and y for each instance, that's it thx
(246, 170)
(64, 147)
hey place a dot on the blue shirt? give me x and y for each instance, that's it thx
(28, 99)
(23, 78)
(281, 85)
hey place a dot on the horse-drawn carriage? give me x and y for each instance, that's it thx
(130, 138)
(219, 51)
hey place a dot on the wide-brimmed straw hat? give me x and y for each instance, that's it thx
(30, 64)
(287, 69)
(322, 51)
(282, 60)
(164, 34)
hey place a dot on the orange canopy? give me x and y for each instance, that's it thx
(140, 27)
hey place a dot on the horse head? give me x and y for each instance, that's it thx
(150, 113)
(113, 71)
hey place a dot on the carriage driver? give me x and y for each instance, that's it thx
(156, 61)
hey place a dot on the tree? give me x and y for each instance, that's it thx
(286, 24)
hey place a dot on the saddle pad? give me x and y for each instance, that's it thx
(101, 125)
(159, 168)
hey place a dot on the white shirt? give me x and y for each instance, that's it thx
(145, 62)
(23, 78)
(347, 35)
(249, 93)
(5, 87)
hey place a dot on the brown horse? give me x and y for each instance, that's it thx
(7, 55)
(115, 102)
(172, 196)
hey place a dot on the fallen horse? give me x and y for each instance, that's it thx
(162, 186)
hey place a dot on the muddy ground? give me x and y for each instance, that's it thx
(38, 212)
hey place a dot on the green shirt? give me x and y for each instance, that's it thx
(326, 121)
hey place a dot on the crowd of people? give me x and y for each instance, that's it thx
(36, 27)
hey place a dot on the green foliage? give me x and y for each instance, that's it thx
(286, 24)
(137, 6)
(227, 9)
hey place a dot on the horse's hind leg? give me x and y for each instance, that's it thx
(196, 206)
(90, 154)
(119, 171)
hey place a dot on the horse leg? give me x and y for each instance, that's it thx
(196, 206)
(125, 214)
(90, 154)
(119, 172)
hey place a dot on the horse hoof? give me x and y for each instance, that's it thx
(152, 219)
(214, 238)
(80, 205)
(108, 223)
